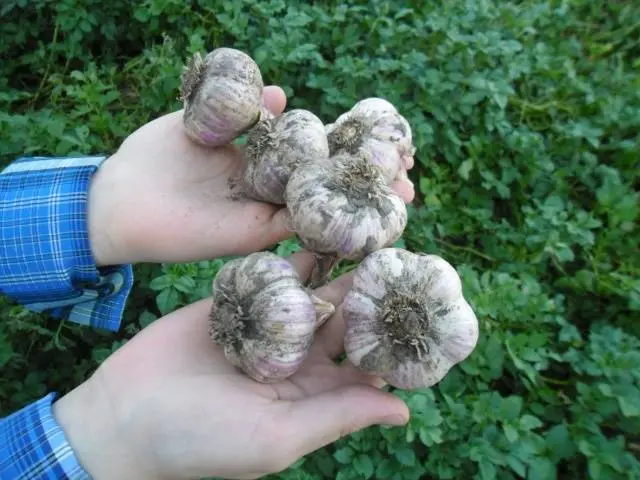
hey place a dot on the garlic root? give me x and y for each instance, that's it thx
(263, 317)
(407, 320)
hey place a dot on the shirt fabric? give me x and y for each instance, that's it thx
(47, 265)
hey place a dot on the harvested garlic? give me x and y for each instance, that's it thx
(343, 206)
(276, 147)
(375, 128)
(407, 320)
(222, 96)
(263, 317)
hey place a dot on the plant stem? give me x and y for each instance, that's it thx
(465, 249)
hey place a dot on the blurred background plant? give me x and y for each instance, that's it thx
(526, 117)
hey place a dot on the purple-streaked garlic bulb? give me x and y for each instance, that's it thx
(342, 207)
(374, 127)
(263, 317)
(407, 320)
(276, 147)
(222, 96)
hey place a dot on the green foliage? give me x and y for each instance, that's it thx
(526, 117)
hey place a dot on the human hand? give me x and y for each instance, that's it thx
(163, 198)
(169, 405)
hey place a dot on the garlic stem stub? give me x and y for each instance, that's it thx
(222, 96)
(342, 206)
(276, 147)
(374, 127)
(263, 317)
(407, 320)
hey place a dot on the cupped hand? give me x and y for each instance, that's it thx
(169, 405)
(163, 198)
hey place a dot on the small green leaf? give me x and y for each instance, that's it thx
(559, 442)
(510, 407)
(595, 468)
(146, 318)
(161, 282)
(363, 465)
(185, 284)
(343, 455)
(529, 422)
(510, 432)
(628, 409)
(406, 456)
(541, 469)
(516, 465)
(465, 168)
(487, 470)
(168, 300)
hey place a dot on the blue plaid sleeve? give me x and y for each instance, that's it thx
(46, 262)
(34, 447)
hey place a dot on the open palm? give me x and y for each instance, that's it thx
(181, 410)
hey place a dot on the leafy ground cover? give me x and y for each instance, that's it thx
(526, 117)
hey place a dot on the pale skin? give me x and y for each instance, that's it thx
(168, 405)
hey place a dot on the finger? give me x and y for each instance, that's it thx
(330, 338)
(303, 262)
(405, 189)
(408, 162)
(349, 370)
(314, 422)
(262, 226)
(274, 99)
(335, 290)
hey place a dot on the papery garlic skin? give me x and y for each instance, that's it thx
(276, 147)
(222, 96)
(342, 206)
(407, 319)
(374, 127)
(263, 317)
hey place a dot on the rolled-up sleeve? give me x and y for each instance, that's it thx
(46, 261)
(34, 447)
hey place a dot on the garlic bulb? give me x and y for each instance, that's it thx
(274, 149)
(263, 317)
(407, 319)
(222, 96)
(374, 127)
(342, 206)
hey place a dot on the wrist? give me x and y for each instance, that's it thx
(103, 220)
(95, 435)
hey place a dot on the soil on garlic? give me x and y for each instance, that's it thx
(357, 181)
(238, 330)
(350, 135)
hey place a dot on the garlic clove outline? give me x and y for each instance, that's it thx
(222, 95)
(407, 319)
(375, 127)
(263, 317)
(276, 147)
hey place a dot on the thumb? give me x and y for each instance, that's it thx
(322, 419)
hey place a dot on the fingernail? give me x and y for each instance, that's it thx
(394, 421)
